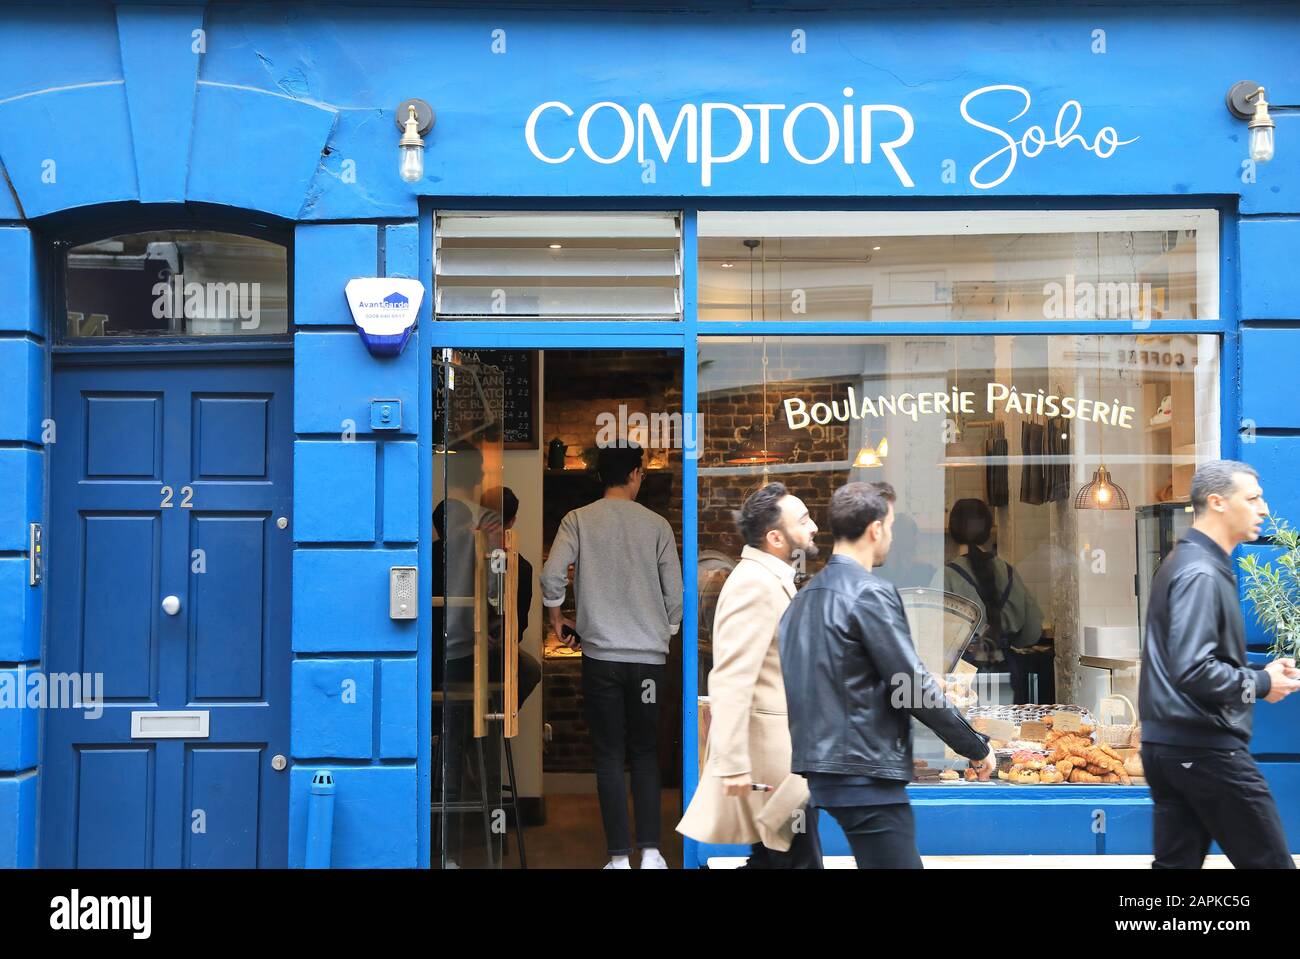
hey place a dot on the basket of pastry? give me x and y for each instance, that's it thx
(1081, 761)
(1066, 756)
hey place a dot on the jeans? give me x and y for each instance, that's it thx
(1212, 794)
(621, 701)
(881, 837)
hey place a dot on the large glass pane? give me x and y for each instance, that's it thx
(985, 266)
(1045, 475)
(177, 283)
(471, 602)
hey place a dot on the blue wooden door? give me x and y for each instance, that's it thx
(169, 576)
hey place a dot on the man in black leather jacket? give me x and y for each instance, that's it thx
(1198, 690)
(853, 681)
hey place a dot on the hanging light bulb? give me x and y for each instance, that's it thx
(867, 457)
(1246, 102)
(1101, 492)
(870, 456)
(1261, 130)
(415, 119)
(755, 449)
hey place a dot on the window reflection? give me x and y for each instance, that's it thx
(177, 283)
(987, 441)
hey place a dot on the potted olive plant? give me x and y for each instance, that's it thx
(1273, 588)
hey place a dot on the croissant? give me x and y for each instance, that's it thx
(1083, 776)
(1110, 751)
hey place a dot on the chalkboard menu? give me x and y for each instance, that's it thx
(509, 382)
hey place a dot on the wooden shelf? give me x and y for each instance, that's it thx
(1103, 662)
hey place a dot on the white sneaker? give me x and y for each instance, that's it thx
(618, 862)
(651, 859)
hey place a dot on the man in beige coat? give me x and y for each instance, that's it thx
(749, 740)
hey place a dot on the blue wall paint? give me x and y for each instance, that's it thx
(333, 708)
(335, 379)
(340, 601)
(374, 815)
(334, 492)
(161, 51)
(288, 112)
(326, 256)
(1270, 283)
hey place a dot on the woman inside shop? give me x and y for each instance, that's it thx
(1012, 617)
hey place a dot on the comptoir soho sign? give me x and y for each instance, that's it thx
(998, 398)
(811, 133)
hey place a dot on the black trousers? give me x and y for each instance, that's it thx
(881, 837)
(621, 701)
(1212, 794)
(805, 851)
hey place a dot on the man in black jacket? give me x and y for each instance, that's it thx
(1198, 689)
(853, 681)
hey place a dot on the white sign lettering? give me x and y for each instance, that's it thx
(715, 134)
(999, 398)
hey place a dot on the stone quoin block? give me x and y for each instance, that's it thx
(333, 708)
(374, 816)
(335, 379)
(325, 257)
(334, 492)
(340, 601)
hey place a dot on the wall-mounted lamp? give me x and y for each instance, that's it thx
(415, 119)
(1246, 102)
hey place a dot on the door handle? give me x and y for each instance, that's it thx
(171, 605)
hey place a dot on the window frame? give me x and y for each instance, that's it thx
(61, 242)
(519, 334)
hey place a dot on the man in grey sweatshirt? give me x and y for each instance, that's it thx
(628, 585)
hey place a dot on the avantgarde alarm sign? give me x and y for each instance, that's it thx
(998, 398)
(854, 132)
(384, 310)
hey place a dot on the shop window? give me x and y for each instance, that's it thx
(176, 283)
(556, 266)
(979, 266)
(1014, 428)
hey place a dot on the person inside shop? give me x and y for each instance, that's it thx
(1013, 620)
(500, 510)
(453, 630)
(1198, 690)
(628, 587)
(749, 740)
(905, 567)
(852, 679)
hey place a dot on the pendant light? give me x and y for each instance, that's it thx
(1102, 492)
(870, 456)
(752, 448)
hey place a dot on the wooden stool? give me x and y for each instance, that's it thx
(464, 693)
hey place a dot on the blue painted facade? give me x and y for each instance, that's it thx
(283, 114)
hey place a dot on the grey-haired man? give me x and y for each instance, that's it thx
(1198, 690)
